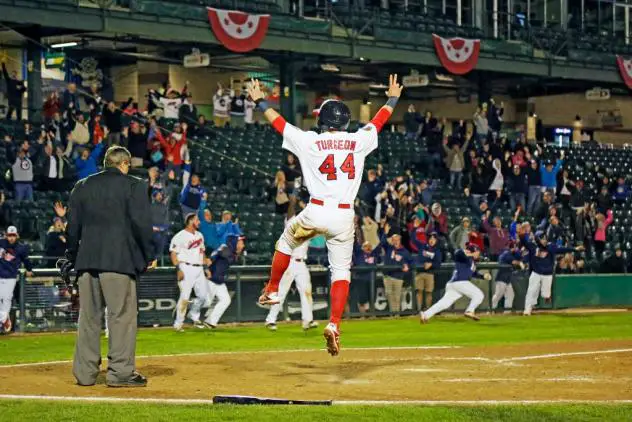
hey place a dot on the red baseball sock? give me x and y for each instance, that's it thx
(280, 262)
(339, 293)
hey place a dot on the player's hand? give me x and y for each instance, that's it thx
(208, 274)
(60, 210)
(254, 90)
(580, 248)
(427, 266)
(152, 265)
(466, 191)
(394, 89)
(487, 276)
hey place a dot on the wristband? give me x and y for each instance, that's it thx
(262, 104)
(392, 101)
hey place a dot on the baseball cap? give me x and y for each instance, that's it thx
(12, 230)
(472, 247)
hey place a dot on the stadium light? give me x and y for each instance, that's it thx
(65, 44)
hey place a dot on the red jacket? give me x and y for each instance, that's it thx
(172, 151)
(477, 239)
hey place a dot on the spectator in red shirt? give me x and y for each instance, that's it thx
(476, 238)
(172, 147)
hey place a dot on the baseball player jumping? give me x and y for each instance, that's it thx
(460, 285)
(187, 255)
(299, 273)
(332, 162)
(12, 256)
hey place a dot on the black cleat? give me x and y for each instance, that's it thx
(137, 380)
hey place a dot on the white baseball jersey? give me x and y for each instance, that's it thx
(332, 162)
(301, 251)
(189, 247)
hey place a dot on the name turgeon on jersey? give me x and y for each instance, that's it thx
(334, 144)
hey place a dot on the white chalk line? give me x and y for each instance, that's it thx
(335, 402)
(240, 352)
(435, 358)
(558, 379)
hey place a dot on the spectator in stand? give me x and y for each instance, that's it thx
(79, 129)
(495, 117)
(615, 263)
(5, 211)
(202, 128)
(188, 112)
(172, 148)
(137, 142)
(87, 162)
(112, 122)
(412, 122)
(460, 235)
(395, 255)
(543, 210)
(228, 227)
(498, 181)
(292, 170)
(549, 172)
(249, 112)
(482, 125)
(498, 236)
(428, 261)
(518, 187)
(568, 264)
(604, 200)
(55, 242)
(97, 134)
(455, 162)
(477, 238)
(169, 103)
(191, 196)
(15, 92)
(556, 232)
(159, 211)
(601, 229)
(93, 98)
(363, 256)
(279, 191)
(621, 191)
(52, 105)
(237, 108)
(479, 185)
(207, 227)
(221, 104)
(371, 188)
(70, 99)
(370, 231)
(428, 125)
(425, 192)
(22, 171)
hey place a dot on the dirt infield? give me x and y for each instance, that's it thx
(589, 370)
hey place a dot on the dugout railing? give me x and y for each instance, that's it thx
(43, 302)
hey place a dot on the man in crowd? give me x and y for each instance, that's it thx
(395, 255)
(412, 120)
(428, 261)
(87, 162)
(498, 236)
(13, 255)
(221, 106)
(549, 173)
(112, 121)
(363, 256)
(22, 171)
(15, 92)
(534, 178)
(191, 195)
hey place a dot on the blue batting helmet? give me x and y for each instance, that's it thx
(334, 114)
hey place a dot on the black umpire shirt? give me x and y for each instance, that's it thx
(109, 225)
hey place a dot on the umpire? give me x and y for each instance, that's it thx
(109, 245)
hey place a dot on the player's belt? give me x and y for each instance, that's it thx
(322, 203)
(299, 259)
(193, 265)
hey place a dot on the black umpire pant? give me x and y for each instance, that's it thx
(118, 293)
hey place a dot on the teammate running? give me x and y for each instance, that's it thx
(460, 285)
(333, 163)
(13, 255)
(187, 255)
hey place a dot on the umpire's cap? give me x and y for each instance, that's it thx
(334, 114)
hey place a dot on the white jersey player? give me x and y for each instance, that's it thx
(299, 273)
(187, 255)
(332, 162)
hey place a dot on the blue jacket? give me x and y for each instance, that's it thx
(397, 257)
(542, 260)
(208, 230)
(89, 167)
(549, 179)
(621, 192)
(507, 257)
(364, 259)
(191, 196)
(11, 257)
(221, 260)
(224, 230)
(465, 267)
(426, 253)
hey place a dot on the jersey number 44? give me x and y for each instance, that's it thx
(328, 167)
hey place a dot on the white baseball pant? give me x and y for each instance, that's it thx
(298, 272)
(453, 292)
(6, 297)
(219, 291)
(538, 285)
(505, 290)
(335, 223)
(194, 279)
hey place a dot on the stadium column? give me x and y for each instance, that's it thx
(34, 78)
(287, 69)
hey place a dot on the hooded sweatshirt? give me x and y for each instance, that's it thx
(498, 181)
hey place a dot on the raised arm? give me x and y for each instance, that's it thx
(393, 94)
(256, 93)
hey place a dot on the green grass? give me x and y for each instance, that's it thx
(47, 411)
(384, 332)
(455, 331)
